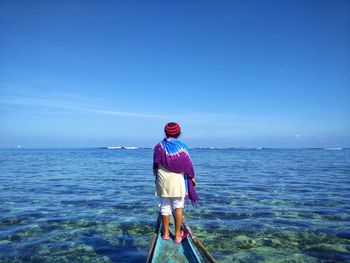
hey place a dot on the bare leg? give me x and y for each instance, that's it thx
(166, 220)
(178, 221)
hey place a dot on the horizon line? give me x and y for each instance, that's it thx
(128, 147)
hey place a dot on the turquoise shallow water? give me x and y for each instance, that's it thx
(98, 205)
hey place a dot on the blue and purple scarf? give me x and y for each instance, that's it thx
(173, 155)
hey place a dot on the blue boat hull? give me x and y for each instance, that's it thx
(168, 251)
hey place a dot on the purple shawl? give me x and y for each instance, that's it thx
(173, 155)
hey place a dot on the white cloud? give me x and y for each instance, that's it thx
(69, 103)
(209, 124)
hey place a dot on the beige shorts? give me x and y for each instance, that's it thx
(169, 184)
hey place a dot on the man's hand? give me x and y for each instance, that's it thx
(194, 181)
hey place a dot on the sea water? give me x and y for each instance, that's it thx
(98, 205)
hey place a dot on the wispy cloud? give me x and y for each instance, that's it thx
(73, 103)
(76, 103)
(219, 123)
(128, 114)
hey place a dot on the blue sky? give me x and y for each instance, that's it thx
(232, 73)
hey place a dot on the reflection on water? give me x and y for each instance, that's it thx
(97, 205)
